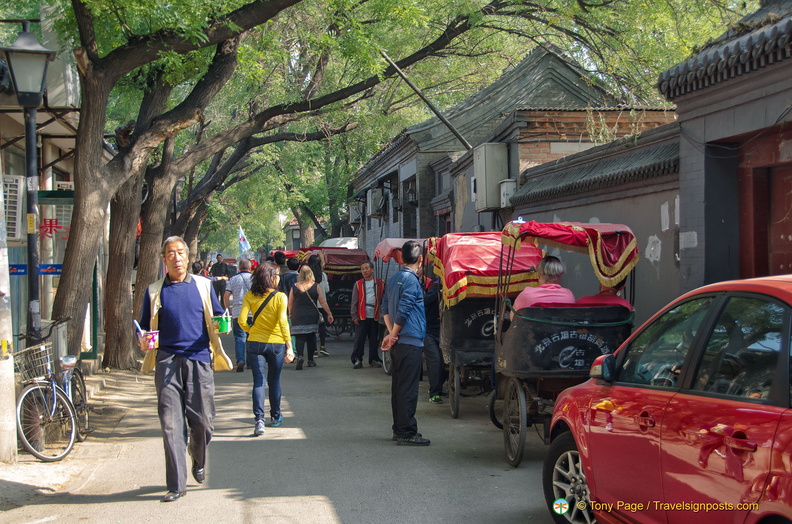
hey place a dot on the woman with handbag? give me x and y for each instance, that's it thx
(269, 340)
(304, 314)
(315, 263)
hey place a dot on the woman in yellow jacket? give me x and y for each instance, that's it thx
(269, 340)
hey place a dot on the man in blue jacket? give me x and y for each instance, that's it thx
(403, 312)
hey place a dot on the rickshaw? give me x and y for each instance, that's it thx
(468, 266)
(546, 349)
(342, 267)
(387, 250)
(288, 252)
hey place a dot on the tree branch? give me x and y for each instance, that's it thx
(145, 49)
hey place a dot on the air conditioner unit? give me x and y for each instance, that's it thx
(64, 186)
(375, 202)
(14, 200)
(490, 166)
(354, 215)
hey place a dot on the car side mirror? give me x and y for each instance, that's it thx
(603, 367)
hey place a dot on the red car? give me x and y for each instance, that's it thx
(688, 421)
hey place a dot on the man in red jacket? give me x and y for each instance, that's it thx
(365, 309)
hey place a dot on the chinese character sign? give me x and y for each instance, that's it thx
(49, 227)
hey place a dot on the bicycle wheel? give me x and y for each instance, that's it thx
(47, 433)
(80, 402)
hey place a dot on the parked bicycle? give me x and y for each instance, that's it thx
(52, 409)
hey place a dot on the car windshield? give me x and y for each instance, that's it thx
(655, 356)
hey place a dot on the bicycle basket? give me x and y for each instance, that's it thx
(33, 362)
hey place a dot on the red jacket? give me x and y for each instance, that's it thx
(358, 309)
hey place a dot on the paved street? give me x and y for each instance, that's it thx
(331, 461)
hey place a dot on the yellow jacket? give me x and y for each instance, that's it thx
(220, 361)
(272, 325)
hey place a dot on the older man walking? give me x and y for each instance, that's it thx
(180, 306)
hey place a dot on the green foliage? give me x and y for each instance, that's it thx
(247, 204)
(319, 46)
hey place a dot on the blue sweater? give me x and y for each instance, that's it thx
(181, 320)
(404, 303)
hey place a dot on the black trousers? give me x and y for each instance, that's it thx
(300, 340)
(435, 367)
(367, 329)
(406, 364)
(185, 400)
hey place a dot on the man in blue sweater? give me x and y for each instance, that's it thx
(181, 307)
(403, 312)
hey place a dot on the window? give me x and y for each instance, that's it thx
(741, 354)
(14, 161)
(655, 357)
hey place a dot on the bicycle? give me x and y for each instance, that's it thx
(48, 422)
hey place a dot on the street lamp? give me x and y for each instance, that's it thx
(411, 198)
(27, 62)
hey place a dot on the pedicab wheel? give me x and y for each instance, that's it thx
(496, 410)
(453, 390)
(387, 361)
(515, 424)
(337, 328)
(563, 478)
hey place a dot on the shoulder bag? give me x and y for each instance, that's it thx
(321, 317)
(262, 306)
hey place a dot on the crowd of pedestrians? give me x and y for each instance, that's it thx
(278, 310)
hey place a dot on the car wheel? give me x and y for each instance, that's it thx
(564, 483)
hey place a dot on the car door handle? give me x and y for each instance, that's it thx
(646, 421)
(740, 443)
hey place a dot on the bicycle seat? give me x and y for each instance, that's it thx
(68, 361)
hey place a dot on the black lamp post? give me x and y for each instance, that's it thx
(27, 62)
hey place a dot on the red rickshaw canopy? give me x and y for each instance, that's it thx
(288, 252)
(468, 265)
(336, 260)
(390, 248)
(612, 248)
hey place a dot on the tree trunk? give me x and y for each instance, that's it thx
(153, 219)
(94, 186)
(194, 227)
(120, 347)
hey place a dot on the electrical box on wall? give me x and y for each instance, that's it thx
(490, 166)
(507, 189)
(375, 202)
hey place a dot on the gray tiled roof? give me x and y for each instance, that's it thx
(599, 168)
(544, 78)
(736, 52)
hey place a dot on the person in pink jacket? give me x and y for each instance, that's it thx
(549, 291)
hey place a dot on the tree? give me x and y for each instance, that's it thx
(114, 43)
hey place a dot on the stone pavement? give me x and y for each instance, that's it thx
(332, 460)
